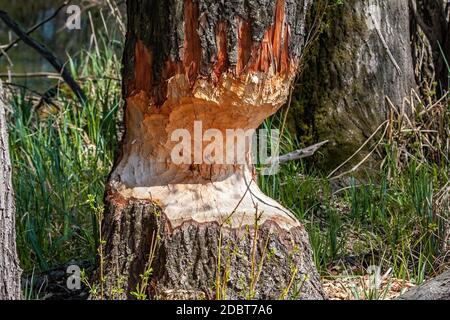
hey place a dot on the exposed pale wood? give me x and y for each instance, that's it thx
(208, 84)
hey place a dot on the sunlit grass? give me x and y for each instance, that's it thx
(61, 156)
(389, 219)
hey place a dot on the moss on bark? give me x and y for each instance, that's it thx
(348, 73)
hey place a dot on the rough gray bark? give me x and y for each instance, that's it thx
(186, 264)
(362, 56)
(435, 289)
(9, 264)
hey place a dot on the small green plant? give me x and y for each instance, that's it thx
(29, 290)
(141, 292)
(98, 214)
(92, 287)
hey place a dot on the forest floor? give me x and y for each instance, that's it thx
(360, 288)
(52, 285)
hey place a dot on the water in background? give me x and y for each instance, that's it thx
(61, 41)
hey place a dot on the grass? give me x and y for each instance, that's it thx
(394, 218)
(61, 157)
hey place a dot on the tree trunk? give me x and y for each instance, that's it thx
(227, 65)
(9, 264)
(433, 18)
(362, 56)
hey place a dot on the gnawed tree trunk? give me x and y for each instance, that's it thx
(9, 263)
(362, 56)
(230, 65)
(435, 289)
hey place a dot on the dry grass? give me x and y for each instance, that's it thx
(359, 288)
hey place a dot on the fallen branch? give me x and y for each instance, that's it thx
(435, 289)
(54, 75)
(44, 52)
(51, 75)
(34, 28)
(301, 153)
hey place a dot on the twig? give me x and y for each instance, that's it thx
(94, 37)
(3, 52)
(301, 153)
(116, 14)
(31, 75)
(54, 75)
(34, 28)
(43, 51)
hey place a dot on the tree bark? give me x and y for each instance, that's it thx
(229, 65)
(362, 56)
(433, 18)
(9, 264)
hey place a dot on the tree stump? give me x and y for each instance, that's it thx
(200, 222)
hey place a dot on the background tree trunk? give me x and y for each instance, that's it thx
(230, 65)
(433, 18)
(362, 56)
(9, 264)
